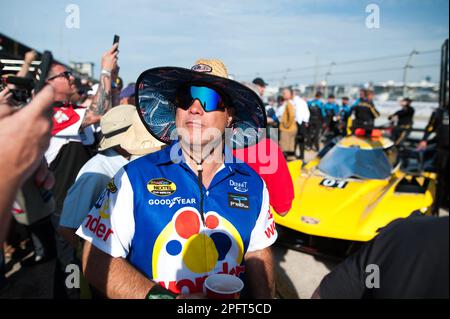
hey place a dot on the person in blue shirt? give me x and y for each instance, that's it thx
(330, 113)
(315, 122)
(272, 118)
(170, 219)
(345, 111)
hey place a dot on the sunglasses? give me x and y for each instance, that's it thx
(66, 74)
(209, 99)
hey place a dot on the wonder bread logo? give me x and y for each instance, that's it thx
(202, 68)
(161, 187)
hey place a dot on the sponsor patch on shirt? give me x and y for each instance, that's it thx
(239, 187)
(111, 186)
(238, 201)
(170, 202)
(161, 187)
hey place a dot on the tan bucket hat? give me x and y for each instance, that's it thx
(138, 141)
(114, 124)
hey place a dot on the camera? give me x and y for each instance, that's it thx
(23, 86)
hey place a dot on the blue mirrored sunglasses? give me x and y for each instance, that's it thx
(209, 99)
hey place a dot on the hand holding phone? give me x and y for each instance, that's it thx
(109, 58)
(116, 40)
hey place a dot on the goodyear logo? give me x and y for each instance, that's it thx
(161, 187)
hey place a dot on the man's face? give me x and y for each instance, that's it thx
(404, 103)
(362, 94)
(261, 90)
(197, 127)
(331, 100)
(61, 84)
(287, 95)
(344, 101)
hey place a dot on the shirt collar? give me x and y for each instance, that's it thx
(172, 154)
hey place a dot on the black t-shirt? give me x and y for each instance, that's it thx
(65, 167)
(365, 111)
(412, 258)
(405, 116)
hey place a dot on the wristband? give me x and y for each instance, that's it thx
(106, 72)
(158, 292)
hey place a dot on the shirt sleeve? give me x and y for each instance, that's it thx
(277, 173)
(348, 279)
(306, 110)
(81, 198)
(110, 223)
(264, 233)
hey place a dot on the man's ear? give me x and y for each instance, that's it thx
(230, 121)
(230, 117)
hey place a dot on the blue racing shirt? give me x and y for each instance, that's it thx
(345, 110)
(330, 109)
(150, 215)
(318, 104)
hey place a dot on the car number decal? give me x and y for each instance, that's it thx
(333, 183)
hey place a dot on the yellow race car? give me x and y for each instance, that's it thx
(354, 187)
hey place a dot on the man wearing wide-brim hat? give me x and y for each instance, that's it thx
(172, 218)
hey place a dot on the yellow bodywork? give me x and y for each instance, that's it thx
(354, 212)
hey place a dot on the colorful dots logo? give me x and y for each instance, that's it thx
(187, 249)
(198, 246)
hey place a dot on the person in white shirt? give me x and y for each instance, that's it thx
(301, 110)
(124, 138)
(302, 119)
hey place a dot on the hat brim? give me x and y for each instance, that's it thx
(106, 143)
(136, 144)
(156, 102)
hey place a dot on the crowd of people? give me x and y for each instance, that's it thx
(304, 124)
(93, 176)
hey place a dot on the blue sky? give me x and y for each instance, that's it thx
(251, 36)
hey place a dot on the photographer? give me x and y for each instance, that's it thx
(71, 145)
(25, 135)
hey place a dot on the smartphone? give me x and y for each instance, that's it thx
(43, 70)
(116, 39)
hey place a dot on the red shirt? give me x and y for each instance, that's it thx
(267, 159)
(64, 116)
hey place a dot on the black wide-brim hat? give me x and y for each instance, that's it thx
(156, 91)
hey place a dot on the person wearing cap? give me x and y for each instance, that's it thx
(330, 114)
(172, 218)
(403, 121)
(127, 95)
(123, 136)
(261, 86)
(345, 110)
(316, 119)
